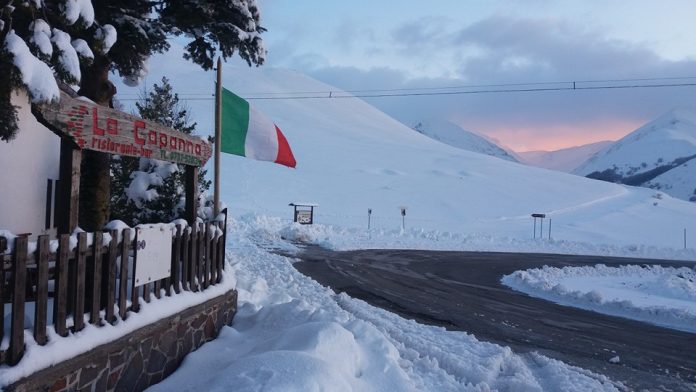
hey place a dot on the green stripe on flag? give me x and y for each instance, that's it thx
(235, 123)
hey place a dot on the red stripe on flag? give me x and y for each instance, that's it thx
(285, 156)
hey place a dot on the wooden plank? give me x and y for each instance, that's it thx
(79, 299)
(146, 292)
(96, 278)
(60, 297)
(99, 128)
(213, 255)
(158, 288)
(176, 262)
(224, 245)
(67, 197)
(191, 193)
(41, 305)
(220, 259)
(186, 259)
(19, 281)
(193, 257)
(109, 277)
(135, 290)
(200, 264)
(123, 274)
(205, 279)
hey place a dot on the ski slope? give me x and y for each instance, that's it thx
(352, 157)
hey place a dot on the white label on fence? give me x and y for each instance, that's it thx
(154, 256)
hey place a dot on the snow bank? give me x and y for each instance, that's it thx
(273, 231)
(291, 333)
(659, 295)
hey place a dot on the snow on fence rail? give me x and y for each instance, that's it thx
(87, 279)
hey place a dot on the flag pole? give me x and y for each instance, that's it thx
(218, 138)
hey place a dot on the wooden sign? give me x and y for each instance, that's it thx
(95, 127)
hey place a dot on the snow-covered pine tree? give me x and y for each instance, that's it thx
(148, 190)
(75, 41)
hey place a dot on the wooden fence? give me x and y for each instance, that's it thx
(95, 280)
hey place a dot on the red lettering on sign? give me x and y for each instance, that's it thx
(198, 149)
(152, 137)
(95, 123)
(112, 126)
(163, 140)
(138, 125)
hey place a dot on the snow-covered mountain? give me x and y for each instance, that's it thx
(456, 136)
(351, 157)
(657, 155)
(565, 160)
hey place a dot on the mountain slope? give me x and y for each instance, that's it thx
(647, 155)
(352, 157)
(456, 136)
(565, 160)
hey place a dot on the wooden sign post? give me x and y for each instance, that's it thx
(89, 126)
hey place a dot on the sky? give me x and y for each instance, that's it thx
(410, 44)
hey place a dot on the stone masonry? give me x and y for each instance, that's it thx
(139, 359)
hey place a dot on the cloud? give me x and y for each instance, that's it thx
(503, 49)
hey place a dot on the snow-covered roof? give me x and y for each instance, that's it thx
(303, 204)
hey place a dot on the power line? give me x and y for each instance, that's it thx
(433, 91)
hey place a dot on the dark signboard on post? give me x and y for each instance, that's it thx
(95, 127)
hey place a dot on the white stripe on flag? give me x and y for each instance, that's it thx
(261, 140)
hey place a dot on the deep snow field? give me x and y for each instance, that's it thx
(659, 295)
(293, 334)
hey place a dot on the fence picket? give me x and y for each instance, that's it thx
(41, 305)
(60, 297)
(95, 278)
(185, 261)
(176, 262)
(110, 277)
(123, 275)
(201, 252)
(213, 255)
(86, 279)
(193, 263)
(135, 290)
(79, 299)
(19, 282)
(206, 256)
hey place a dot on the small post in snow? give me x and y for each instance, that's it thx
(684, 238)
(541, 231)
(534, 236)
(369, 214)
(403, 218)
(550, 228)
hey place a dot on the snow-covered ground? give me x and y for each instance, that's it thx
(654, 294)
(292, 334)
(352, 157)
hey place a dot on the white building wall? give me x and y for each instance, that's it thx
(26, 164)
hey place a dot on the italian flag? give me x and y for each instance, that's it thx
(249, 133)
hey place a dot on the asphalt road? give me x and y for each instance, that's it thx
(462, 291)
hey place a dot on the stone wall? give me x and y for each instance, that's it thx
(139, 359)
